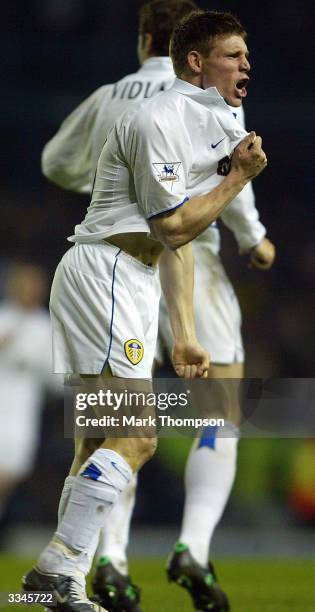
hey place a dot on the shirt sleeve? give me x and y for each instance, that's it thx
(66, 158)
(242, 218)
(159, 160)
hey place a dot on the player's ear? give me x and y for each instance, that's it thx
(194, 61)
(145, 47)
(148, 43)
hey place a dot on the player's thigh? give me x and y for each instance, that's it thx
(104, 310)
(81, 309)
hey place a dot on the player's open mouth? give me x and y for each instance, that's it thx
(241, 87)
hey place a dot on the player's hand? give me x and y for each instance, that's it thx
(263, 255)
(248, 158)
(190, 360)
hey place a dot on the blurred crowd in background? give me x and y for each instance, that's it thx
(54, 54)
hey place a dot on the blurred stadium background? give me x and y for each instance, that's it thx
(54, 53)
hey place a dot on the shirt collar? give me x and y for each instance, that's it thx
(157, 63)
(235, 111)
(207, 97)
(211, 98)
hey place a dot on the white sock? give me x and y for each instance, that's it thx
(84, 560)
(209, 476)
(96, 488)
(115, 534)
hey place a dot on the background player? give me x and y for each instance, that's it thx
(64, 154)
(25, 372)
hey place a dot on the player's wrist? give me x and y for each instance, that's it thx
(185, 335)
(236, 178)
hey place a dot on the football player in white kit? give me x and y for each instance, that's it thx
(25, 371)
(69, 160)
(148, 142)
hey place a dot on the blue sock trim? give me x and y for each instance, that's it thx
(208, 437)
(92, 472)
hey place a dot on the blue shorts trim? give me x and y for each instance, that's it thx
(112, 315)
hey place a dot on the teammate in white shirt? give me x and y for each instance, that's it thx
(145, 170)
(25, 372)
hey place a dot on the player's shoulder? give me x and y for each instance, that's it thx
(93, 101)
(121, 85)
(103, 91)
(154, 69)
(148, 120)
(132, 76)
(155, 111)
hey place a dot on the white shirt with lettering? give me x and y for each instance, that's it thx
(70, 157)
(173, 147)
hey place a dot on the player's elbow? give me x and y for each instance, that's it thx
(172, 239)
(175, 240)
(168, 230)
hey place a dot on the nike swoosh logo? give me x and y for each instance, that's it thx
(118, 470)
(214, 146)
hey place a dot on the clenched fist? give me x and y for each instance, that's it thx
(190, 360)
(263, 255)
(248, 158)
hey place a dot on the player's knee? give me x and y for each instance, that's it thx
(148, 448)
(144, 449)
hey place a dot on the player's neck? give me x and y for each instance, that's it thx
(193, 79)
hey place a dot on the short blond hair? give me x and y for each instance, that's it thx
(198, 31)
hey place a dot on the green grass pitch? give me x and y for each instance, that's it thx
(253, 586)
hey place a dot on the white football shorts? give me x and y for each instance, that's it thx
(217, 313)
(104, 311)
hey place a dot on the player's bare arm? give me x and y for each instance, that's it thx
(185, 223)
(190, 360)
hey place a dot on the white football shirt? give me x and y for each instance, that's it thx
(170, 149)
(70, 157)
